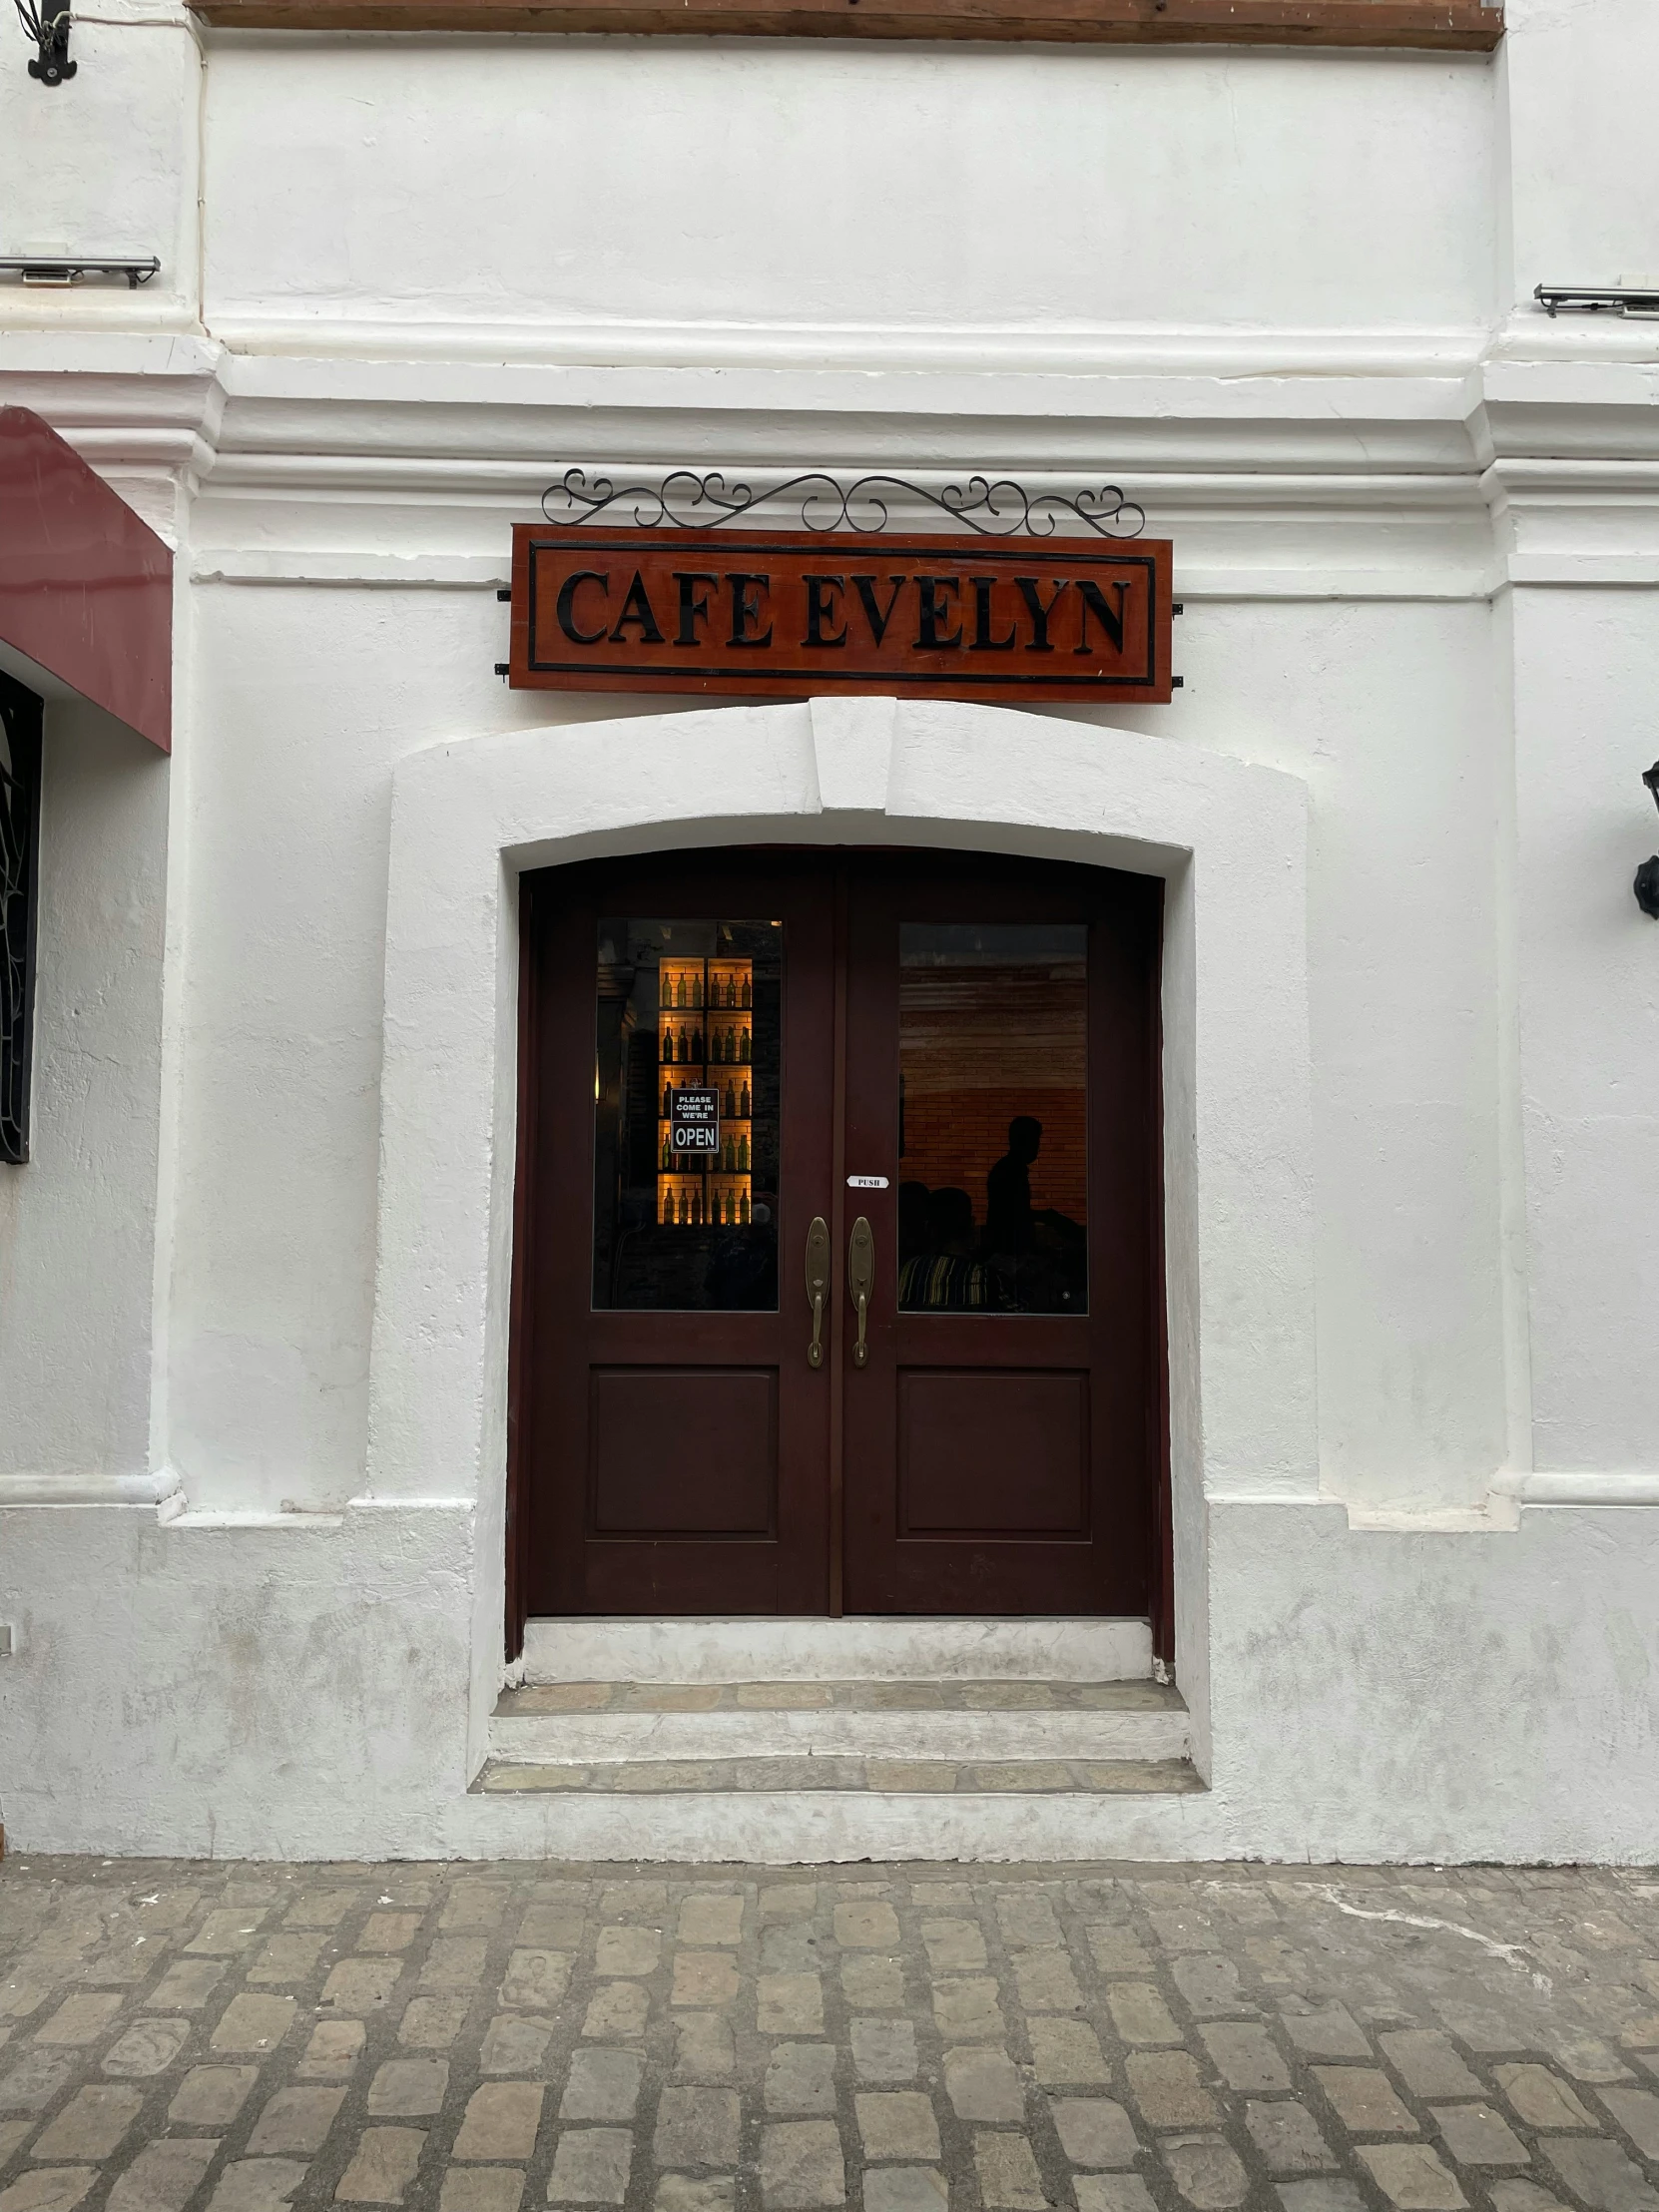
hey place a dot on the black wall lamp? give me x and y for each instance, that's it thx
(50, 33)
(1647, 876)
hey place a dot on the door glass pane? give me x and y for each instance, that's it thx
(992, 1117)
(685, 1116)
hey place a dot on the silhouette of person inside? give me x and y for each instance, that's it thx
(1010, 1220)
(913, 1220)
(743, 1269)
(948, 1273)
(1038, 1256)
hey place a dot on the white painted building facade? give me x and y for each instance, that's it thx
(255, 1281)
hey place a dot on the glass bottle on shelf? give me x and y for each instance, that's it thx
(748, 991)
(668, 1100)
(743, 1110)
(665, 990)
(743, 1207)
(731, 1103)
(697, 1045)
(742, 1155)
(743, 1045)
(697, 991)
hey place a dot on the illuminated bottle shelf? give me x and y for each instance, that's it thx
(705, 1041)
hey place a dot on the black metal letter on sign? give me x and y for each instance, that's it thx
(20, 716)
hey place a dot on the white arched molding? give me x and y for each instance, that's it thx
(1228, 838)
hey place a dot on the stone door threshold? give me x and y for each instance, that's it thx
(1000, 1780)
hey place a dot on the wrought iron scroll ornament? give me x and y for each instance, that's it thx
(993, 507)
(20, 720)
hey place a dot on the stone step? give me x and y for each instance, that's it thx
(806, 1811)
(952, 1720)
(1003, 1780)
(858, 1648)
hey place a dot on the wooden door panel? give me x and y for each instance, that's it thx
(674, 1456)
(1005, 1457)
(683, 1452)
(1002, 1443)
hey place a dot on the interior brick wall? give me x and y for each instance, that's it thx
(977, 1048)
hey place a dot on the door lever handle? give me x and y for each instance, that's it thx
(861, 1280)
(818, 1284)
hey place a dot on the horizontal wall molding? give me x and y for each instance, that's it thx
(1447, 480)
(1633, 1488)
(146, 1488)
(1454, 26)
(407, 572)
(1435, 580)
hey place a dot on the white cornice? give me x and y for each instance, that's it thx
(258, 342)
(1286, 464)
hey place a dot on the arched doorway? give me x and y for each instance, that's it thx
(838, 1264)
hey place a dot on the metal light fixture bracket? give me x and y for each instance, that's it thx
(37, 269)
(1646, 886)
(50, 32)
(1621, 299)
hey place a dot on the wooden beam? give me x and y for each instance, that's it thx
(1453, 26)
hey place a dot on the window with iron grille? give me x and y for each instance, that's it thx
(20, 719)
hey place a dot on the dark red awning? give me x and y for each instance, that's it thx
(86, 588)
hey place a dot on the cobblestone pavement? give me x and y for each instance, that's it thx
(485, 2038)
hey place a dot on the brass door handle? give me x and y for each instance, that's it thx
(818, 1284)
(861, 1280)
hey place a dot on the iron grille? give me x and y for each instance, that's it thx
(20, 720)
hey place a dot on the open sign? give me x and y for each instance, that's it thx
(694, 1123)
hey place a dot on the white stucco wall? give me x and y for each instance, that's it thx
(1284, 300)
(76, 1226)
(840, 188)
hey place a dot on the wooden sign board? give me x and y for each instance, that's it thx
(787, 614)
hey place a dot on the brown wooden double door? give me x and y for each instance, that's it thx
(838, 1255)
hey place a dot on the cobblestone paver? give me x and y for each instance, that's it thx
(489, 2039)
